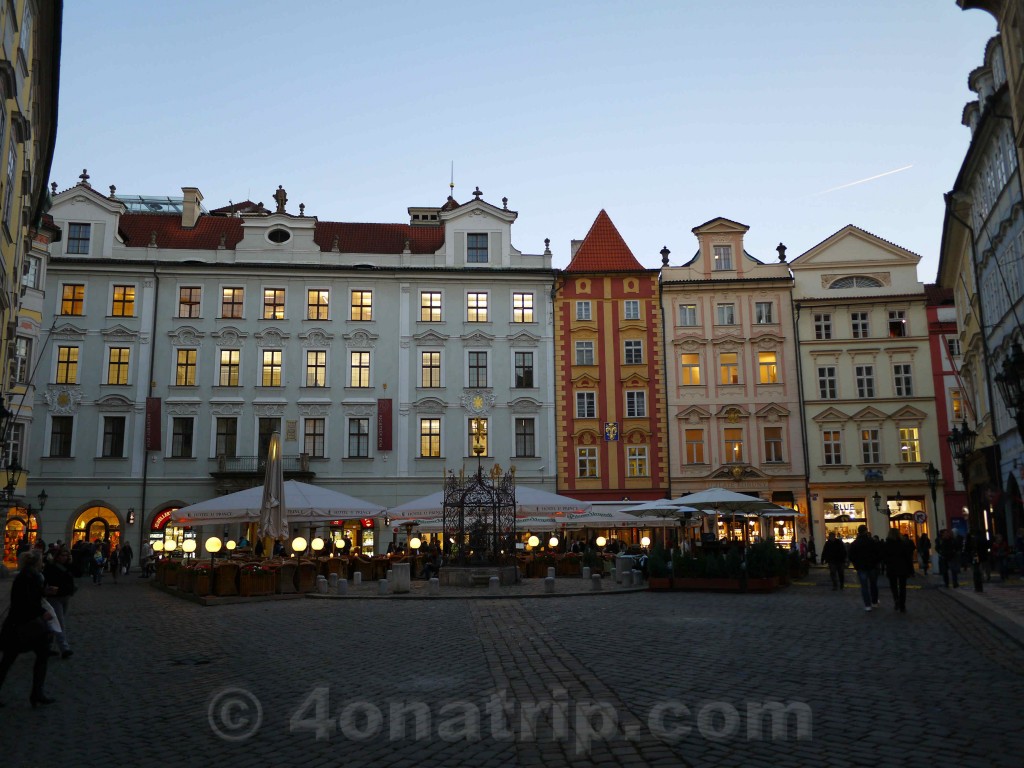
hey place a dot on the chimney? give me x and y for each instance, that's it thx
(191, 208)
(574, 246)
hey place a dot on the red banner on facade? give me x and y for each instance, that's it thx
(384, 425)
(153, 439)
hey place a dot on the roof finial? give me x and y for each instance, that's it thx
(113, 191)
(451, 182)
(782, 251)
(302, 209)
(152, 239)
(84, 176)
(53, 187)
(504, 203)
(547, 246)
(477, 193)
(664, 255)
(281, 197)
(334, 245)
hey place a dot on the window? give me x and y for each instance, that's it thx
(72, 299)
(317, 303)
(855, 281)
(12, 161)
(586, 405)
(582, 310)
(631, 309)
(477, 369)
(865, 375)
(831, 443)
(430, 438)
(725, 314)
(226, 436)
(189, 301)
(897, 323)
(690, 369)
(903, 380)
(31, 277)
(359, 439)
(113, 437)
(230, 361)
(362, 305)
(22, 360)
(822, 325)
(586, 462)
(360, 369)
(430, 369)
(859, 325)
(584, 353)
(688, 314)
(316, 368)
(722, 257)
(67, 365)
(78, 238)
(733, 445)
(478, 437)
(185, 367)
(14, 452)
(773, 445)
(526, 438)
(181, 437)
(523, 370)
(522, 307)
(476, 248)
(270, 368)
(763, 313)
(694, 446)
(729, 367)
(956, 405)
(273, 303)
(827, 382)
(231, 300)
(430, 306)
(634, 352)
(25, 40)
(870, 446)
(313, 437)
(767, 368)
(636, 404)
(265, 429)
(910, 445)
(636, 461)
(953, 344)
(61, 431)
(476, 307)
(122, 302)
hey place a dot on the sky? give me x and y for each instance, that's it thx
(664, 113)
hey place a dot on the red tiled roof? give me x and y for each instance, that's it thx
(937, 295)
(604, 250)
(246, 206)
(450, 204)
(377, 238)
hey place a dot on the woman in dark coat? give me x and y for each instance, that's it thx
(27, 594)
(898, 555)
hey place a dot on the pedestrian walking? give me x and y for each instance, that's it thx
(98, 563)
(864, 557)
(924, 552)
(114, 562)
(58, 575)
(899, 564)
(834, 555)
(25, 629)
(949, 558)
(127, 555)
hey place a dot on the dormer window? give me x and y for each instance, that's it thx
(78, 238)
(279, 236)
(723, 257)
(476, 248)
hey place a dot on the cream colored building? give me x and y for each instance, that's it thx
(867, 385)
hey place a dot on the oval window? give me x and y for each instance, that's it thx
(279, 236)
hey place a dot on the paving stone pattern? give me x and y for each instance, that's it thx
(620, 679)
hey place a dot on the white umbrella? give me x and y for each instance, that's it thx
(529, 501)
(273, 511)
(723, 500)
(306, 504)
(661, 508)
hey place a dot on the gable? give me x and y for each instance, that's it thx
(854, 248)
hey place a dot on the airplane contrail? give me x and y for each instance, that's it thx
(863, 181)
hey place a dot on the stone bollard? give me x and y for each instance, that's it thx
(321, 585)
(549, 583)
(494, 586)
(586, 572)
(390, 576)
(332, 581)
(434, 587)
(638, 578)
(615, 576)
(595, 583)
(342, 586)
(357, 579)
(401, 573)
(382, 587)
(551, 571)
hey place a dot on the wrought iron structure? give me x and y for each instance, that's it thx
(479, 517)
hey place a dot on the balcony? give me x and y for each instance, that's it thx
(238, 472)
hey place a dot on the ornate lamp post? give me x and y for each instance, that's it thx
(1010, 381)
(933, 479)
(878, 503)
(961, 445)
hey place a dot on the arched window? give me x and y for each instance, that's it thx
(855, 281)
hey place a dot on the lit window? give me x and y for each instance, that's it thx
(430, 306)
(897, 323)
(185, 368)
(729, 368)
(122, 302)
(910, 445)
(72, 301)
(227, 375)
(67, 365)
(271, 368)
(956, 403)
(690, 369)
(189, 301)
(478, 442)
(522, 307)
(231, 302)
(430, 438)
(636, 461)
(476, 307)
(767, 368)
(723, 257)
(733, 445)
(273, 303)
(359, 369)
(362, 305)
(586, 462)
(430, 369)
(694, 446)
(317, 304)
(316, 368)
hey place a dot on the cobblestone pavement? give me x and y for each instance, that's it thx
(624, 679)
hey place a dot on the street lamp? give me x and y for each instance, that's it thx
(933, 479)
(961, 445)
(1010, 382)
(878, 502)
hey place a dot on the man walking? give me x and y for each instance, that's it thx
(834, 555)
(949, 558)
(864, 557)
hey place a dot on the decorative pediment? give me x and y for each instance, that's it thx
(63, 399)
(226, 408)
(114, 404)
(733, 413)
(269, 409)
(909, 413)
(360, 339)
(229, 336)
(635, 380)
(119, 333)
(854, 248)
(830, 415)
(271, 337)
(634, 326)
(729, 342)
(430, 339)
(525, 405)
(477, 339)
(869, 414)
(359, 409)
(584, 381)
(738, 472)
(772, 412)
(430, 405)
(68, 332)
(314, 410)
(689, 344)
(767, 341)
(478, 401)
(316, 338)
(637, 437)
(181, 407)
(694, 414)
(586, 437)
(186, 336)
(523, 339)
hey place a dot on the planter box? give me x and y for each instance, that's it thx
(185, 579)
(286, 578)
(305, 577)
(201, 582)
(570, 566)
(255, 584)
(225, 579)
(681, 584)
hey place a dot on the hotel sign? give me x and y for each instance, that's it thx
(384, 425)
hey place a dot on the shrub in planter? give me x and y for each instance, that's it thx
(657, 563)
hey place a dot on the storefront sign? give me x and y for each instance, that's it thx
(153, 439)
(160, 521)
(384, 425)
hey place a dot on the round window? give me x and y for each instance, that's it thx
(279, 236)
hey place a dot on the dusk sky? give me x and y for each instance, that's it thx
(665, 114)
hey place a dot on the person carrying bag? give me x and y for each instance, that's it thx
(26, 628)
